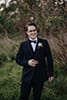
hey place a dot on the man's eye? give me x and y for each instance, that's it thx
(32, 30)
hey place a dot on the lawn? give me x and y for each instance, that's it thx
(10, 81)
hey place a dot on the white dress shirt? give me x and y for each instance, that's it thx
(33, 44)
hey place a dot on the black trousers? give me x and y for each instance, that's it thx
(37, 90)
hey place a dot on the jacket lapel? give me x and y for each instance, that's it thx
(30, 47)
(37, 45)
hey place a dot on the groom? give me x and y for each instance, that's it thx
(35, 56)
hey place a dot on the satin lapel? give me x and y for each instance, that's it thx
(30, 47)
(37, 46)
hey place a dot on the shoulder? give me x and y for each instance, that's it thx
(43, 40)
(23, 43)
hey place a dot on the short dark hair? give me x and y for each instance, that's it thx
(30, 24)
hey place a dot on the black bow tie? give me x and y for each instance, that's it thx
(32, 41)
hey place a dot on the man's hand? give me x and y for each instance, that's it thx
(50, 79)
(32, 62)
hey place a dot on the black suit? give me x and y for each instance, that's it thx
(34, 77)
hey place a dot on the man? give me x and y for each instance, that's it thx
(35, 56)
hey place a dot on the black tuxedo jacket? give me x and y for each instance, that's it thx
(43, 69)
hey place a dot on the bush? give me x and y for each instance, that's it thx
(3, 58)
(10, 76)
(54, 21)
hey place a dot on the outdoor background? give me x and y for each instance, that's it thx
(51, 18)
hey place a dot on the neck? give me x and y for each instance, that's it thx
(33, 38)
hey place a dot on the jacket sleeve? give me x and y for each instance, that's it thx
(49, 60)
(20, 57)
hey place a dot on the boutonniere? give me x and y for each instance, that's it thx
(40, 45)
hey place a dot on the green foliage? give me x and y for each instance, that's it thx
(22, 10)
(12, 7)
(12, 54)
(10, 76)
(7, 55)
(8, 25)
(57, 89)
(54, 21)
(30, 2)
(47, 16)
(2, 18)
(3, 58)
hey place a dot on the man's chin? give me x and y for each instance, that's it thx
(33, 37)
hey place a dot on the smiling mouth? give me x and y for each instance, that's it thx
(33, 34)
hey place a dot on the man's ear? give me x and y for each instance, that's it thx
(26, 33)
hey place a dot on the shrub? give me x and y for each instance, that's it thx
(3, 58)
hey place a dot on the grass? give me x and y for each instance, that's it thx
(9, 81)
(10, 76)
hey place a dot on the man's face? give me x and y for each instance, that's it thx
(32, 32)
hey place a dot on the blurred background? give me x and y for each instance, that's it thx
(51, 19)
